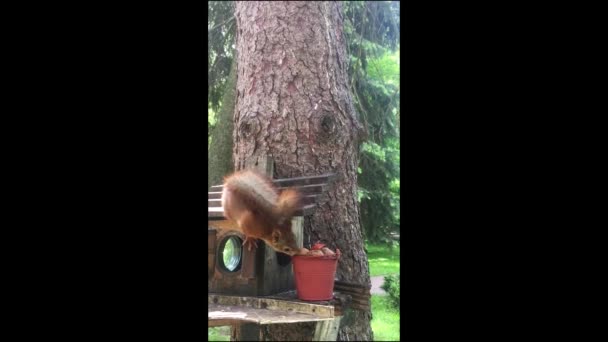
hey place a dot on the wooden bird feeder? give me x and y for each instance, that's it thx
(248, 289)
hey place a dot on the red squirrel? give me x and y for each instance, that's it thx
(254, 202)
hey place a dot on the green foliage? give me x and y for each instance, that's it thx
(211, 122)
(221, 29)
(392, 286)
(372, 35)
(379, 189)
(218, 333)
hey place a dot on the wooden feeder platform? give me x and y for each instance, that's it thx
(246, 314)
(228, 310)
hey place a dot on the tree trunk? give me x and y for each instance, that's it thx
(220, 150)
(293, 103)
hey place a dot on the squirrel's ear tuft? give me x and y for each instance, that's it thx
(276, 235)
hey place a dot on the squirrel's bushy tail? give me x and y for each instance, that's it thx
(287, 204)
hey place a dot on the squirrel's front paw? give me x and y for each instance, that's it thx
(250, 241)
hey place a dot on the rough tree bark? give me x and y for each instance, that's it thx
(220, 150)
(293, 103)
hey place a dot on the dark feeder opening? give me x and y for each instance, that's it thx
(283, 259)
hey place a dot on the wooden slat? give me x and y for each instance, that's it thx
(214, 195)
(217, 213)
(296, 181)
(306, 200)
(299, 181)
(223, 224)
(341, 301)
(312, 189)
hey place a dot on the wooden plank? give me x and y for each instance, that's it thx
(223, 224)
(221, 322)
(341, 301)
(226, 313)
(292, 296)
(267, 303)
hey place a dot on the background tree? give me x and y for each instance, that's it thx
(220, 161)
(294, 104)
(372, 35)
(221, 80)
(371, 30)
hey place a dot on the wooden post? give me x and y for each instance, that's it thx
(211, 252)
(327, 330)
(246, 332)
(263, 164)
(251, 331)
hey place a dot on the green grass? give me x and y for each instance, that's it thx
(218, 334)
(382, 259)
(385, 323)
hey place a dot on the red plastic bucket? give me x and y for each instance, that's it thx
(314, 276)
